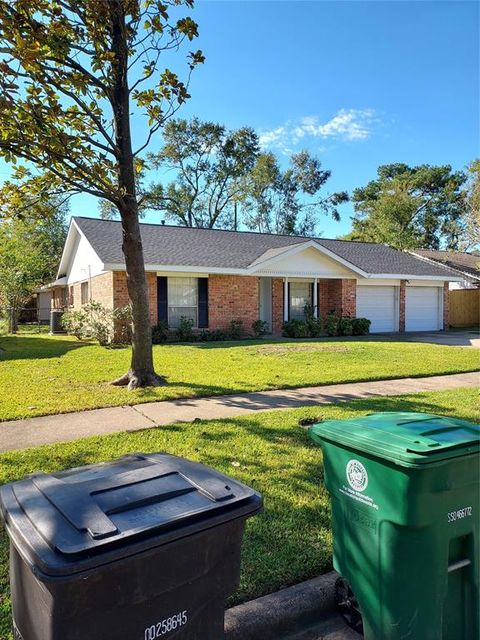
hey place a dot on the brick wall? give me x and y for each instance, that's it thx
(401, 306)
(100, 290)
(120, 292)
(446, 306)
(342, 297)
(323, 298)
(231, 298)
(277, 306)
(59, 298)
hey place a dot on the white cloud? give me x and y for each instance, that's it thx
(346, 124)
(268, 138)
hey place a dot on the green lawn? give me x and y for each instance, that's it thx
(291, 540)
(40, 374)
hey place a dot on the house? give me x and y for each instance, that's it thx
(43, 303)
(214, 276)
(464, 264)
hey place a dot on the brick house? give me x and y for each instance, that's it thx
(214, 276)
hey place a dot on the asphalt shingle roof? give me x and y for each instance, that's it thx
(463, 261)
(214, 248)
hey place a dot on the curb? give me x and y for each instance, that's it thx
(284, 612)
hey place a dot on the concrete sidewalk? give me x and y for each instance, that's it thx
(22, 434)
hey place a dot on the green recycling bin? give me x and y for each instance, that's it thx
(405, 520)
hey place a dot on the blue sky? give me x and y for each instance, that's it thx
(357, 83)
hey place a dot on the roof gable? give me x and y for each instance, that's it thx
(464, 262)
(306, 258)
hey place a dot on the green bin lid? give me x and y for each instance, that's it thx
(408, 438)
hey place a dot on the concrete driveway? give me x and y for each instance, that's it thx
(449, 338)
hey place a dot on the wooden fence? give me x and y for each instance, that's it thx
(464, 307)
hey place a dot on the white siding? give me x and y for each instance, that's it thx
(85, 263)
(309, 262)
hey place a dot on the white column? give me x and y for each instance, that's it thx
(285, 300)
(315, 298)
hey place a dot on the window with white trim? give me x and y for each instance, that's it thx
(182, 300)
(300, 295)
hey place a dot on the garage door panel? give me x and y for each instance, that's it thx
(423, 309)
(378, 305)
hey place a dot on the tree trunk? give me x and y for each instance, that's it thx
(12, 319)
(141, 373)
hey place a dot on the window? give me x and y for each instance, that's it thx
(71, 300)
(182, 300)
(84, 293)
(300, 295)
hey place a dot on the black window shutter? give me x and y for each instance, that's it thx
(162, 299)
(202, 303)
(288, 301)
(311, 296)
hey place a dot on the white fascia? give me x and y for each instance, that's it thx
(62, 267)
(301, 247)
(406, 276)
(181, 269)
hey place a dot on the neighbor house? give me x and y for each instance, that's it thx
(462, 263)
(214, 276)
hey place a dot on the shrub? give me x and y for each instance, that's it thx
(314, 327)
(98, 322)
(160, 332)
(74, 323)
(259, 328)
(216, 335)
(122, 319)
(235, 329)
(294, 329)
(360, 326)
(331, 325)
(185, 332)
(345, 326)
(94, 321)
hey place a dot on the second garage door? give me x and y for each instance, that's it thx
(378, 304)
(423, 309)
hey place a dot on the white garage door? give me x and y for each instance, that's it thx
(378, 305)
(423, 309)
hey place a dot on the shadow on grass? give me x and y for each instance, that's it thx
(195, 391)
(36, 347)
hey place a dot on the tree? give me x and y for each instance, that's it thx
(411, 207)
(70, 72)
(288, 202)
(471, 236)
(30, 249)
(209, 162)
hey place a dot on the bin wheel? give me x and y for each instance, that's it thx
(347, 605)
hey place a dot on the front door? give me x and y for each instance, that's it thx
(266, 301)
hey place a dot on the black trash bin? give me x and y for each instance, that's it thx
(143, 548)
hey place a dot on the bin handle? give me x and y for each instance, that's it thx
(459, 565)
(81, 511)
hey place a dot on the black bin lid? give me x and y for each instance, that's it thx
(69, 521)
